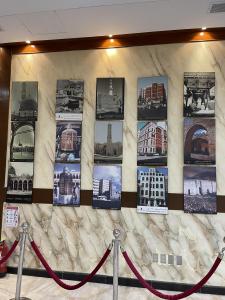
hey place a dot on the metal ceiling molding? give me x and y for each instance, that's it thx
(217, 7)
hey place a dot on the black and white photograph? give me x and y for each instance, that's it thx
(199, 141)
(68, 141)
(22, 141)
(66, 190)
(110, 99)
(152, 98)
(107, 187)
(69, 99)
(24, 101)
(200, 190)
(152, 190)
(199, 94)
(20, 182)
(108, 142)
(152, 143)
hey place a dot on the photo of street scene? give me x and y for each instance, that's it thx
(199, 94)
(200, 190)
(152, 190)
(152, 98)
(108, 141)
(152, 143)
(107, 187)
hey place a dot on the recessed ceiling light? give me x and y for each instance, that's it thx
(28, 42)
(204, 28)
(110, 36)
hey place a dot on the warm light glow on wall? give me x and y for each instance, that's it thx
(111, 51)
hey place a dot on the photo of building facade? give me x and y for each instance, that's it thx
(107, 187)
(199, 94)
(66, 189)
(199, 141)
(108, 141)
(152, 98)
(69, 99)
(152, 190)
(24, 101)
(110, 99)
(200, 190)
(152, 143)
(68, 141)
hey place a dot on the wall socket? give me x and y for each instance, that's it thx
(167, 259)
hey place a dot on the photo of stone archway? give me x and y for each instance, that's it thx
(199, 141)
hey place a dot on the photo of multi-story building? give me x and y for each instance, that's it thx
(152, 98)
(107, 187)
(108, 141)
(152, 143)
(66, 189)
(110, 99)
(152, 190)
(200, 190)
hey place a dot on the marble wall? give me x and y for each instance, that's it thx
(74, 239)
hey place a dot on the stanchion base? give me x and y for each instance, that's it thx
(21, 298)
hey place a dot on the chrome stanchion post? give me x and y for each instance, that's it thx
(116, 243)
(23, 236)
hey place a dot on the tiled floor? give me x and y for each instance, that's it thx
(37, 288)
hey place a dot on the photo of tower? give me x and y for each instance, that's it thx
(108, 141)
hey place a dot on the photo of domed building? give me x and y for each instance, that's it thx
(24, 101)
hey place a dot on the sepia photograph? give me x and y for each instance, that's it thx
(66, 190)
(69, 99)
(110, 99)
(108, 142)
(152, 190)
(107, 187)
(152, 98)
(68, 141)
(24, 101)
(20, 182)
(199, 94)
(199, 141)
(152, 143)
(200, 190)
(22, 141)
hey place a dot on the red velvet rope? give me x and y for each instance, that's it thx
(52, 274)
(7, 256)
(182, 295)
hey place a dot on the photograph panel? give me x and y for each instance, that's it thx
(68, 141)
(200, 190)
(24, 101)
(152, 143)
(107, 187)
(69, 99)
(108, 142)
(110, 99)
(152, 98)
(66, 190)
(199, 94)
(199, 141)
(20, 182)
(152, 190)
(22, 141)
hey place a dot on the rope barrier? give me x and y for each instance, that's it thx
(182, 295)
(7, 256)
(52, 274)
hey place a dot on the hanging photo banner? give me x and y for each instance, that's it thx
(69, 100)
(152, 98)
(107, 187)
(110, 99)
(68, 141)
(152, 190)
(200, 190)
(66, 190)
(108, 142)
(24, 101)
(199, 94)
(20, 182)
(199, 141)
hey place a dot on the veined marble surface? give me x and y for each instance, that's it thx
(74, 239)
